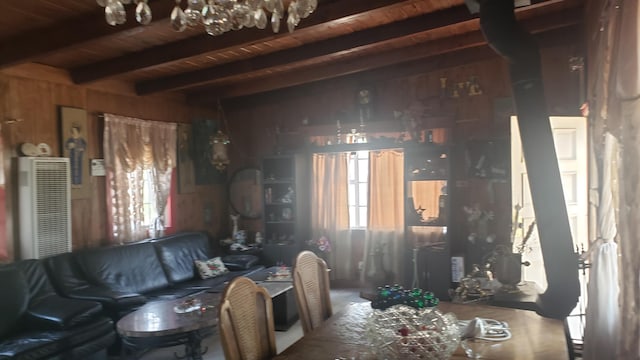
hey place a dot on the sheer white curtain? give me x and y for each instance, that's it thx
(131, 147)
(384, 240)
(330, 211)
(602, 315)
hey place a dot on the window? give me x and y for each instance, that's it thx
(358, 191)
(149, 211)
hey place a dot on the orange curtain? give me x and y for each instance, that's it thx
(330, 210)
(425, 196)
(384, 245)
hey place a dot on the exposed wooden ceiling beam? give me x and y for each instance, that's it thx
(456, 58)
(354, 40)
(29, 45)
(441, 47)
(197, 45)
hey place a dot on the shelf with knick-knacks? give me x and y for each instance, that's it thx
(431, 164)
(427, 215)
(284, 211)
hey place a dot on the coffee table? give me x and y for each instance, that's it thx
(285, 311)
(156, 325)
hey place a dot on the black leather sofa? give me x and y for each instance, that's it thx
(122, 278)
(37, 323)
(65, 306)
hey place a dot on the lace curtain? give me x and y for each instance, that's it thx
(131, 147)
(615, 109)
(330, 210)
(602, 315)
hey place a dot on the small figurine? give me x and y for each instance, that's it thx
(289, 196)
(234, 220)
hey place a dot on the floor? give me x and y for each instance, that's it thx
(339, 298)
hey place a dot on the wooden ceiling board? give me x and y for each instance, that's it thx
(18, 16)
(341, 39)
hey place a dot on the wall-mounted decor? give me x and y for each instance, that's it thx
(205, 172)
(186, 172)
(455, 88)
(74, 145)
(488, 159)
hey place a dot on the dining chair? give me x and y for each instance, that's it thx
(245, 320)
(311, 285)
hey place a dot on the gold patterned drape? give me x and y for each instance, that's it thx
(330, 210)
(132, 146)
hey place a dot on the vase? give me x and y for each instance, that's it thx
(404, 332)
(508, 269)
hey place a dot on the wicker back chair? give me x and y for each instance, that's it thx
(311, 284)
(245, 320)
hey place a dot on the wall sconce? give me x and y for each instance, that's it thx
(219, 142)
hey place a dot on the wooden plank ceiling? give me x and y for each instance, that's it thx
(340, 39)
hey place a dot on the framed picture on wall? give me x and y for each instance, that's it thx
(75, 145)
(205, 173)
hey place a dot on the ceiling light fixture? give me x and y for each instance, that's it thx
(219, 155)
(217, 16)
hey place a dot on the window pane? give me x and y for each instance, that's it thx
(363, 216)
(362, 194)
(352, 194)
(363, 169)
(352, 217)
(351, 170)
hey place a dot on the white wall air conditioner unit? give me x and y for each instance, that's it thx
(44, 198)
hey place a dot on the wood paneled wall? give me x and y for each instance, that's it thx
(467, 118)
(31, 94)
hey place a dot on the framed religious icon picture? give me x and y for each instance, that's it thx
(74, 145)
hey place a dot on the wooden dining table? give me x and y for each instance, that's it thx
(343, 336)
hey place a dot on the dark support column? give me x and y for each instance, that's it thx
(510, 40)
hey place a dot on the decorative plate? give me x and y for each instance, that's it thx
(44, 150)
(28, 149)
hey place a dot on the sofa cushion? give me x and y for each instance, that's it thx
(210, 268)
(177, 254)
(64, 273)
(55, 312)
(42, 344)
(12, 307)
(37, 280)
(240, 262)
(128, 268)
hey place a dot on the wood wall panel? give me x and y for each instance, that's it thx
(468, 118)
(32, 94)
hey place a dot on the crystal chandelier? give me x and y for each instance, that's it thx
(217, 16)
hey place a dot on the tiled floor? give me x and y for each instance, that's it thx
(339, 298)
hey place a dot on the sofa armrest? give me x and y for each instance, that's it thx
(109, 298)
(55, 312)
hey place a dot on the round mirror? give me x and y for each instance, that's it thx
(245, 193)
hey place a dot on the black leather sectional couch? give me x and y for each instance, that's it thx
(107, 283)
(38, 323)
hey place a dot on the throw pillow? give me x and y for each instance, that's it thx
(210, 268)
(240, 262)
